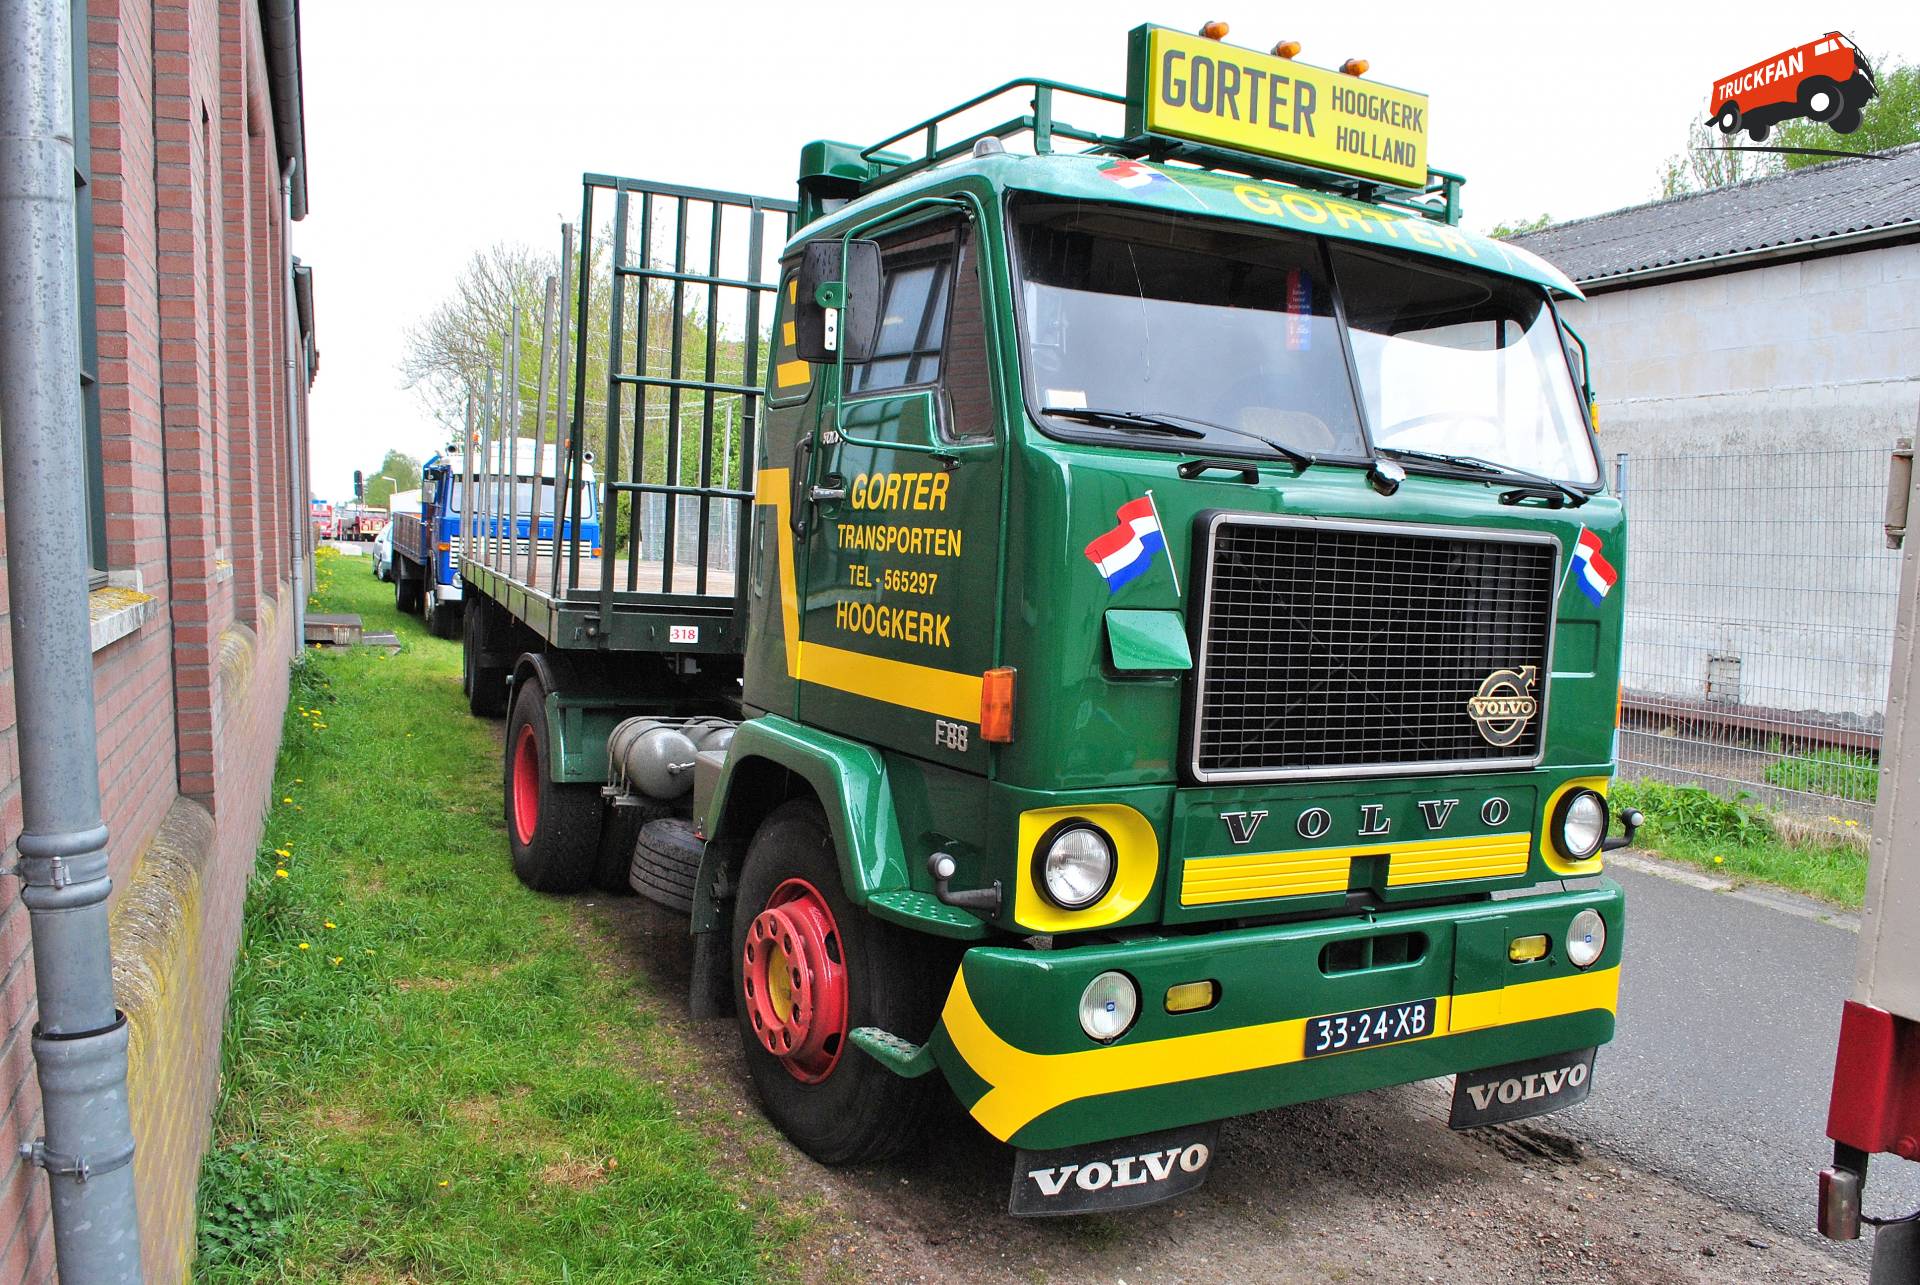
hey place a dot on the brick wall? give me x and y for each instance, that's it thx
(191, 318)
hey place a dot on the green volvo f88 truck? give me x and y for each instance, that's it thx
(1127, 631)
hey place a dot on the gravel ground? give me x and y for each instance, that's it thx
(1372, 1187)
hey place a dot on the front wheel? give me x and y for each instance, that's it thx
(441, 617)
(1729, 119)
(808, 968)
(1820, 98)
(553, 830)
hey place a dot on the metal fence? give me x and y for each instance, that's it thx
(1759, 626)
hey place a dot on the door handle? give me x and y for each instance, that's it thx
(796, 486)
(824, 494)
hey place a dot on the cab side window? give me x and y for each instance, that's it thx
(932, 331)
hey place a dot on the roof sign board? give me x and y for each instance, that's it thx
(1205, 91)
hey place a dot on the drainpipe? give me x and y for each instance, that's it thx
(296, 470)
(80, 1040)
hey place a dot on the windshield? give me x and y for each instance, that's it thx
(1210, 322)
(1462, 363)
(495, 495)
(1226, 331)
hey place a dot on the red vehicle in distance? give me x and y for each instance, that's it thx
(1827, 80)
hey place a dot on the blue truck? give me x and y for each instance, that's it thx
(428, 545)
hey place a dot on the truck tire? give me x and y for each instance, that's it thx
(1820, 99)
(441, 617)
(406, 592)
(665, 861)
(808, 967)
(485, 685)
(553, 830)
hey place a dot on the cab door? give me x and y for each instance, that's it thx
(902, 515)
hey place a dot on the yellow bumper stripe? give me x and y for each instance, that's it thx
(1025, 1086)
(1252, 876)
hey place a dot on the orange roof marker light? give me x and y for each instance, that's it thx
(1287, 49)
(1355, 67)
(1215, 30)
(996, 706)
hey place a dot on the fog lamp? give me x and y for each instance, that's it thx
(1586, 938)
(1191, 997)
(1524, 950)
(1108, 1007)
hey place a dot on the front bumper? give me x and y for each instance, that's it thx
(1010, 1044)
(446, 593)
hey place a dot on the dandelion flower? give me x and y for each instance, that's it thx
(331, 924)
(288, 799)
(304, 946)
(337, 959)
(280, 871)
(1719, 860)
(1851, 822)
(281, 852)
(443, 1182)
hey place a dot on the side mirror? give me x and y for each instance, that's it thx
(831, 315)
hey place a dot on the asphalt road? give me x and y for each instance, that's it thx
(1719, 1074)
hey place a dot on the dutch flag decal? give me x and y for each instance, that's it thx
(1127, 551)
(1591, 570)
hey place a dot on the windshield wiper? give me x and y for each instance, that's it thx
(1175, 425)
(1544, 485)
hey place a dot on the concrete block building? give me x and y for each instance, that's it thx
(1756, 351)
(197, 348)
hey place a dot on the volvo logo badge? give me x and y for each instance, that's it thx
(1242, 826)
(1504, 705)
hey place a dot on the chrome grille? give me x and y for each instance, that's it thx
(1345, 648)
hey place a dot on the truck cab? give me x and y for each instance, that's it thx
(1182, 628)
(427, 545)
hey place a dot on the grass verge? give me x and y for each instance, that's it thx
(425, 1074)
(1736, 839)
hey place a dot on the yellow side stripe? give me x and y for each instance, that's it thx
(896, 682)
(1485, 857)
(1025, 1086)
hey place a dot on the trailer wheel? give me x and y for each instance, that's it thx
(553, 830)
(808, 967)
(1848, 118)
(1758, 133)
(485, 686)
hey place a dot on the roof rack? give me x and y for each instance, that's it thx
(831, 173)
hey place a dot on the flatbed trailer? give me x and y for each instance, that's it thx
(1127, 631)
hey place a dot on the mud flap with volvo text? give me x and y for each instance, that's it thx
(1521, 1090)
(1098, 1177)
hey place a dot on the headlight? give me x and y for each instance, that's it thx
(1586, 938)
(1108, 1007)
(1580, 823)
(1074, 865)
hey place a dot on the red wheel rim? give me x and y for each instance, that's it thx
(526, 785)
(795, 981)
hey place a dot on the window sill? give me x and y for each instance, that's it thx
(118, 609)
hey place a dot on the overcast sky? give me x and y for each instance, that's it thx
(437, 127)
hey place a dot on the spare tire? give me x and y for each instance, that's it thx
(666, 861)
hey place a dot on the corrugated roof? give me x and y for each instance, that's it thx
(1842, 198)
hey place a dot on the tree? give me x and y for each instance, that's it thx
(398, 472)
(1519, 227)
(1711, 159)
(1891, 119)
